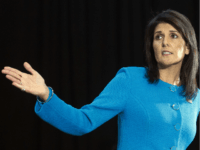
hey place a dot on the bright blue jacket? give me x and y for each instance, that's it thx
(150, 116)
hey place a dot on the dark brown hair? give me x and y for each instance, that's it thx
(189, 68)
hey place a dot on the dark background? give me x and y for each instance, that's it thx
(77, 46)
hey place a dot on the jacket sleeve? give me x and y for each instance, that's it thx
(110, 102)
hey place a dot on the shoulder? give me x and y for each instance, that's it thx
(132, 71)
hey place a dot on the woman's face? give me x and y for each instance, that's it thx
(166, 37)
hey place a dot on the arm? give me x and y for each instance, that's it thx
(110, 102)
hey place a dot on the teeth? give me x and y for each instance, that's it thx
(167, 53)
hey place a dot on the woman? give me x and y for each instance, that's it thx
(153, 111)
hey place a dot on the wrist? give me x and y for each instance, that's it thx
(45, 95)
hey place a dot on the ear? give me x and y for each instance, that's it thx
(187, 51)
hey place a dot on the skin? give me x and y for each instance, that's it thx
(169, 66)
(33, 83)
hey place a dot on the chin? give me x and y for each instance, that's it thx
(164, 65)
(169, 64)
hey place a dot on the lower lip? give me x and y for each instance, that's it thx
(166, 54)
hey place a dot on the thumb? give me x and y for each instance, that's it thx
(29, 68)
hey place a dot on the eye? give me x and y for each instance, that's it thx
(175, 35)
(157, 37)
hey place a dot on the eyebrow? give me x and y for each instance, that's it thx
(161, 31)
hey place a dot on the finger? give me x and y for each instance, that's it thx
(11, 73)
(29, 68)
(9, 69)
(19, 86)
(13, 79)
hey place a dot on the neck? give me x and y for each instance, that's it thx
(170, 75)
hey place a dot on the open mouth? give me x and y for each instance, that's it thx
(166, 53)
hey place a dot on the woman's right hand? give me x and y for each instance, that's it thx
(32, 83)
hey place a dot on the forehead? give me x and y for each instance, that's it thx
(164, 27)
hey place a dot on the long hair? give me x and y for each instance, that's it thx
(189, 69)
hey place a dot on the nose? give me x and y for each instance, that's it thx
(165, 42)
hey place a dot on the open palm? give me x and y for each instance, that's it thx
(32, 83)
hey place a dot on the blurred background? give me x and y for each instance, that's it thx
(77, 46)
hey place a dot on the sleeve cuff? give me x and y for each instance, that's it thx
(49, 97)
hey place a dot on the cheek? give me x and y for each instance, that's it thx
(155, 47)
(180, 51)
